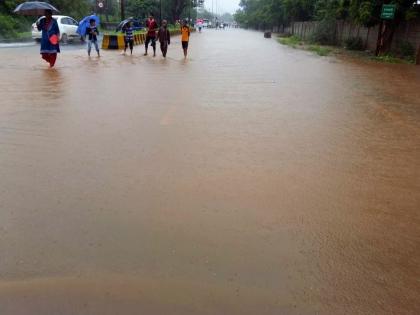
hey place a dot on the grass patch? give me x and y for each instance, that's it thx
(24, 35)
(291, 41)
(389, 58)
(320, 50)
(296, 42)
(17, 36)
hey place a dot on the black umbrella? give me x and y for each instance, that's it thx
(123, 24)
(34, 8)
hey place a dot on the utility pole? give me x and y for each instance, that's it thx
(160, 11)
(122, 2)
(212, 13)
(189, 12)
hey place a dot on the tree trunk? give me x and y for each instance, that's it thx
(335, 32)
(379, 40)
(122, 10)
(349, 34)
(342, 31)
(418, 56)
(388, 36)
(385, 37)
(367, 38)
(407, 30)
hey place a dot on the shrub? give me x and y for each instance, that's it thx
(324, 33)
(321, 51)
(354, 43)
(389, 58)
(406, 49)
(291, 41)
(11, 26)
(8, 27)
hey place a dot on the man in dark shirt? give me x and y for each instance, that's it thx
(151, 34)
(164, 38)
(92, 33)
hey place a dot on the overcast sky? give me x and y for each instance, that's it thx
(223, 5)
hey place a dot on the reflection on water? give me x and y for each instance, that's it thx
(230, 183)
(51, 84)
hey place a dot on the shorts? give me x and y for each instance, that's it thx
(152, 40)
(185, 45)
(129, 42)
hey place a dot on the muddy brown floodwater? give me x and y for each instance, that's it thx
(250, 179)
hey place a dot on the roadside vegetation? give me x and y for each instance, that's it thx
(296, 42)
(270, 14)
(18, 27)
(14, 27)
(323, 50)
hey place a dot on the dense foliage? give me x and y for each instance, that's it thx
(268, 13)
(11, 24)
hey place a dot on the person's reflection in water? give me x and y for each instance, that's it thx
(51, 84)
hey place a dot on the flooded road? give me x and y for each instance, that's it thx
(250, 179)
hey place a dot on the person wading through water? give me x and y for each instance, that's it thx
(151, 34)
(128, 37)
(50, 38)
(185, 37)
(164, 38)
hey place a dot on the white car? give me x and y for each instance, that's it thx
(67, 25)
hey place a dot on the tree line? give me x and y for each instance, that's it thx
(266, 14)
(172, 10)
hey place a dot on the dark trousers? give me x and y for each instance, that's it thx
(152, 41)
(164, 48)
(129, 43)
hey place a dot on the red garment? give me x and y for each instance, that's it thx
(151, 27)
(50, 58)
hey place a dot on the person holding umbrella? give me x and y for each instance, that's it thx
(48, 26)
(50, 37)
(85, 23)
(92, 32)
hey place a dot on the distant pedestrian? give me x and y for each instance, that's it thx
(128, 37)
(92, 33)
(151, 34)
(200, 25)
(164, 38)
(185, 37)
(50, 38)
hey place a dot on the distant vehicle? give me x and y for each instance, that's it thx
(67, 26)
(205, 23)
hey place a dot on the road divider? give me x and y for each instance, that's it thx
(116, 41)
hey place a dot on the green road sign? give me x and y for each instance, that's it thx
(388, 11)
